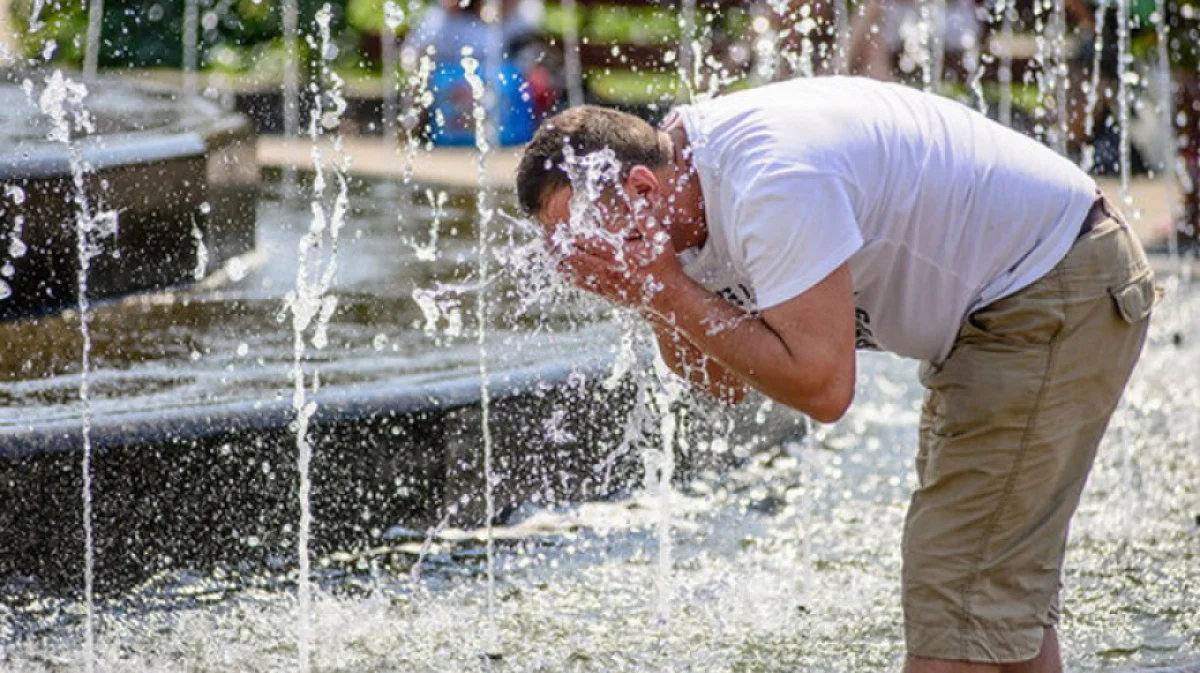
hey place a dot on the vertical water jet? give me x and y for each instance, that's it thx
(291, 83)
(1004, 75)
(91, 53)
(191, 34)
(572, 69)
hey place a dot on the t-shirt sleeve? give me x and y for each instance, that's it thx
(792, 228)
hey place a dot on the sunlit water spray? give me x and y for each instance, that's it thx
(572, 67)
(841, 32)
(15, 196)
(290, 19)
(1124, 75)
(484, 207)
(1062, 77)
(934, 49)
(62, 100)
(1006, 12)
(1166, 115)
(577, 585)
(311, 305)
(191, 39)
(1088, 160)
(393, 18)
(95, 27)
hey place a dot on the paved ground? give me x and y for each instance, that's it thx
(449, 167)
(1149, 208)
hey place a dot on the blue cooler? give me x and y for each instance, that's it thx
(451, 118)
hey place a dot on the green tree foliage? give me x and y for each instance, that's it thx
(234, 34)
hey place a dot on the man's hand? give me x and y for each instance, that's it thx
(628, 270)
(800, 352)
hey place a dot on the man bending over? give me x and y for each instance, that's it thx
(767, 234)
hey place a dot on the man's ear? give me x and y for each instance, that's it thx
(641, 182)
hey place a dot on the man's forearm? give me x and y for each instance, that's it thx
(692, 364)
(802, 375)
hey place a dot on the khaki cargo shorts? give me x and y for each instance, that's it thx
(1009, 430)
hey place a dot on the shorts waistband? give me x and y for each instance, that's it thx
(1100, 211)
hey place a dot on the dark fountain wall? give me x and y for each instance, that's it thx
(194, 171)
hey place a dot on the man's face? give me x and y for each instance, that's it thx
(607, 220)
(615, 246)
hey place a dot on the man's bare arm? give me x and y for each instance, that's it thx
(691, 364)
(800, 353)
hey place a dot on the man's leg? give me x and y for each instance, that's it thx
(1009, 432)
(1049, 660)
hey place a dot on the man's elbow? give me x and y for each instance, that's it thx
(831, 408)
(828, 404)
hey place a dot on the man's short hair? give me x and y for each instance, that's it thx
(587, 129)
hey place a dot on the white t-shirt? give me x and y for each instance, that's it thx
(937, 209)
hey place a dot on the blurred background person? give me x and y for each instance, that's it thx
(453, 29)
(450, 25)
(887, 38)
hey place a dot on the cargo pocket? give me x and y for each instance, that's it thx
(1136, 298)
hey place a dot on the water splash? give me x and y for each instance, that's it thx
(1008, 14)
(688, 57)
(393, 18)
(291, 83)
(92, 45)
(35, 16)
(420, 100)
(841, 32)
(1166, 112)
(1062, 76)
(1088, 159)
(659, 471)
(573, 69)
(191, 37)
(933, 43)
(62, 100)
(1044, 72)
(311, 304)
(16, 245)
(483, 102)
(427, 251)
(1124, 74)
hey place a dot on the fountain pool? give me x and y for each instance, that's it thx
(775, 553)
(788, 562)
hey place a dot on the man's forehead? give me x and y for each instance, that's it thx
(557, 208)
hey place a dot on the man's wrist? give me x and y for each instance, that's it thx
(662, 302)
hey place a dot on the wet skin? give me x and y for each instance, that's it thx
(800, 352)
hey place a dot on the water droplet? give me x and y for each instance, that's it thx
(5, 290)
(393, 15)
(243, 349)
(15, 193)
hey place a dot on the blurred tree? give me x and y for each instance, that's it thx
(234, 34)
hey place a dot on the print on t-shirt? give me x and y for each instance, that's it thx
(739, 295)
(863, 338)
